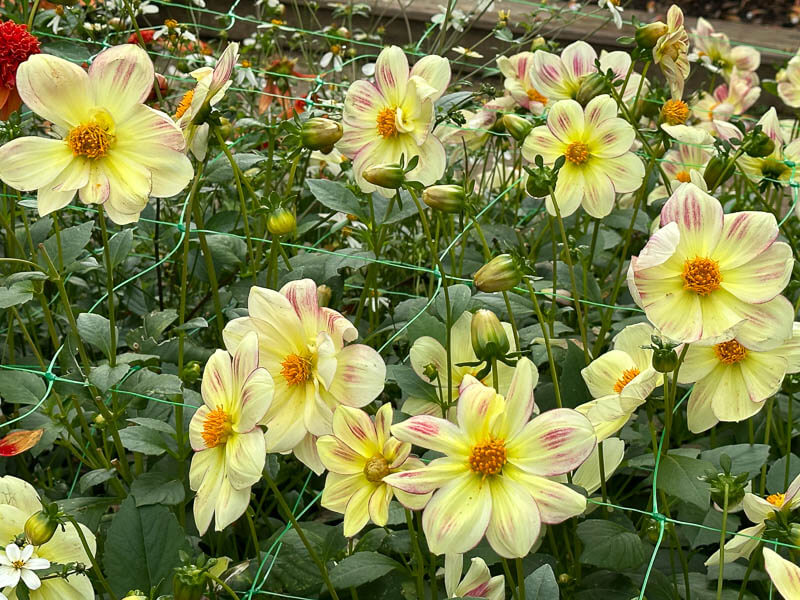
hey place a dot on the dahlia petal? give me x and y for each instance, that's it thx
(432, 433)
(356, 513)
(435, 70)
(763, 374)
(783, 573)
(55, 89)
(541, 141)
(556, 502)
(98, 188)
(379, 505)
(578, 59)
(458, 515)
(50, 157)
(245, 456)
(588, 476)
(355, 429)
(231, 504)
(731, 401)
(515, 522)
(338, 457)
(121, 78)
(549, 76)
(598, 191)
(741, 545)
(605, 371)
(519, 398)
(745, 235)
(196, 429)
(569, 191)
(338, 490)
(601, 111)
(762, 277)
(362, 104)
(218, 381)
(699, 218)
(391, 74)
(566, 121)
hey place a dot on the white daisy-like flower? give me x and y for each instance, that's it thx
(467, 52)
(614, 8)
(16, 564)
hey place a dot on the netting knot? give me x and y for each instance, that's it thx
(789, 163)
(657, 516)
(181, 227)
(49, 376)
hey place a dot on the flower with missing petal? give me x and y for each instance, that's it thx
(359, 455)
(758, 510)
(110, 148)
(224, 433)
(18, 502)
(477, 583)
(209, 90)
(785, 575)
(517, 72)
(394, 117)
(302, 345)
(596, 145)
(495, 477)
(704, 272)
(671, 52)
(714, 50)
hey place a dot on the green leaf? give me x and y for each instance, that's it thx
(220, 170)
(19, 387)
(142, 548)
(679, 476)
(541, 584)
(96, 331)
(411, 384)
(95, 477)
(156, 322)
(142, 439)
(573, 388)
(67, 49)
(460, 296)
(157, 488)
(609, 545)
(147, 383)
(105, 377)
(73, 241)
(360, 568)
(744, 457)
(776, 476)
(154, 424)
(17, 293)
(119, 246)
(335, 196)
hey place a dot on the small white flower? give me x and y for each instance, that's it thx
(145, 8)
(333, 55)
(466, 52)
(614, 8)
(16, 564)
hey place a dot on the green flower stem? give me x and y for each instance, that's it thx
(722, 542)
(208, 259)
(510, 579)
(309, 548)
(223, 585)
(767, 428)
(520, 579)
(420, 570)
(36, 351)
(92, 559)
(602, 463)
(547, 347)
(754, 559)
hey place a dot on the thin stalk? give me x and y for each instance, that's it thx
(420, 570)
(722, 542)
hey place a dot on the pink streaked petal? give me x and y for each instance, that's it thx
(363, 102)
(762, 277)
(224, 68)
(784, 574)
(432, 433)
(391, 74)
(479, 406)
(55, 89)
(566, 121)
(360, 375)
(355, 429)
(659, 248)
(338, 457)
(17, 157)
(98, 189)
(519, 398)
(699, 219)
(302, 295)
(578, 59)
(611, 138)
(218, 384)
(553, 443)
(256, 398)
(120, 78)
(515, 522)
(424, 480)
(383, 423)
(541, 141)
(599, 111)
(556, 501)
(458, 515)
(549, 76)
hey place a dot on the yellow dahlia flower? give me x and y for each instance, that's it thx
(758, 510)
(714, 50)
(358, 456)
(394, 117)
(785, 575)
(302, 345)
(477, 583)
(596, 144)
(671, 52)
(704, 272)
(111, 149)
(517, 72)
(18, 501)
(224, 433)
(495, 477)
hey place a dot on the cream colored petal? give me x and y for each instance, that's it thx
(29, 163)
(515, 522)
(458, 515)
(120, 78)
(784, 574)
(55, 89)
(245, 455)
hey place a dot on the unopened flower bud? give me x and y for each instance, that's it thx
(389, 176)
(718, 170)
(592, 86)
(191, 372)
(498, 275)
(224, 128)
(760, 145)
(519, 127)
(647, 35)
(665, 360)
(324, 294)
(135, 595)
(40, 527)
(446, 198)
(538, 43)
(188, 583)
(489, 339)
(320, 134)
(281, 222)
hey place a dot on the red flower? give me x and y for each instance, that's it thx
(19, 441)
(16, 45)
(147, 37)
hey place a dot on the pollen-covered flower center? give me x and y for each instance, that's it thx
(675, 112)
(18, 564)
(296, 369)
(730, 352)
(776, 500)
(376, 469)
(91, 140)
(387, 123)
(534, 96)
(701, 275)
(627, 376)
(577, 153)
(216, 428)
(683, 176)
(488, 457)
(184, 104)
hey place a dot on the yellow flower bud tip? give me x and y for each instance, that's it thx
(647, 35)
(518, 127)
(281, 222)
(40, 527)
(320, 134)
(385, 176)
(489, 339)
(498, 275)
(446, 198)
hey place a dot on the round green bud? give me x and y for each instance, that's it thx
(281, 222)
(498, 275)
(489, 338)
(445, 198)
(320, 134)
(518, 127)
(40, 527)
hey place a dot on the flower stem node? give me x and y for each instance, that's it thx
(445, 198)
(489, 338)
(320, 134)
(281, 222)
(518, 127)
(500, 274)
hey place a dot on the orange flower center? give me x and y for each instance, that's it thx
(535, 96)
(701, 275)
(18, 564)
(577, 153)
(90, 140)
(171, 24)
(488, 457)
(246, 64)
(776, 500)
(296, 369)
(683, 176)
(217, 428)
(627, 377)
(376, 469)
(730, 352)
(675, 112)
(184, 105)
(386, 120)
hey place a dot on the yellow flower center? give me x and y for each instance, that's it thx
(683, 176)
(776, 500)
(184, 104)
(577, 153)
(376, 469)
(246, 64)
(535, 96)
(170, 24)
(730, 352)
(701, 275)
(386, 121)
(18, 564)
(627, 377)
(296, 369)
(217, 428)
(92, 139)
(336, 49)
(488, 457)
(675, 112)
